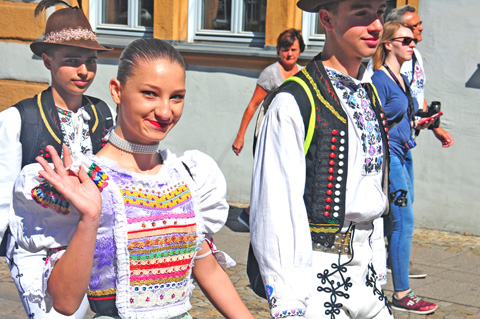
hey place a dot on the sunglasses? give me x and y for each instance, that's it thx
(405, 40)
(417, 25)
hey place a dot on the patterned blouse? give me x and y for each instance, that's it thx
(150, 230)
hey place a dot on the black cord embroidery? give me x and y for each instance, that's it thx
(371, 281)
(336, 289)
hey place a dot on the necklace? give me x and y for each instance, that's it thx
(130, 147)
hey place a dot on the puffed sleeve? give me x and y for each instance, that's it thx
(35, 227)
(41, 218)
(211, 192)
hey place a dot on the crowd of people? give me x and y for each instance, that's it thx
(99, 216)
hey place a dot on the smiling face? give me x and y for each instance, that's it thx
(150, 102)
(355, 28)
(289, 55)
(72, 69)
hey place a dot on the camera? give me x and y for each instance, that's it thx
(434, 108)
(401, 199)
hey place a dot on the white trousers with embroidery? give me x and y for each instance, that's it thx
(345, 285)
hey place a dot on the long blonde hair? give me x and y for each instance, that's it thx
(389, 30)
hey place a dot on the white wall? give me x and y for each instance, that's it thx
(447, 181)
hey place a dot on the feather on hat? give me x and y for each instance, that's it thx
(67, 26)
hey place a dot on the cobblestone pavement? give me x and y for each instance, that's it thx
(457, 293)
(468, 245)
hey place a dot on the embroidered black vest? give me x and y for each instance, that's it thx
(327, 156)
(41, 125)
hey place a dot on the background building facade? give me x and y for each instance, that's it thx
(227, 43)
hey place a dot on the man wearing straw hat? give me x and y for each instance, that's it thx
(62, 114)
(321, 176)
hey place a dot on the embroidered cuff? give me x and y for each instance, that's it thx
(289, 313)
(47, 196)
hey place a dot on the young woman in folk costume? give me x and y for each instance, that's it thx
(137, 221)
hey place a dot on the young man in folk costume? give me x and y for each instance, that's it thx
(62, 114)
(321, 175)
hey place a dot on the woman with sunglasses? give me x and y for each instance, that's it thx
(395, 47)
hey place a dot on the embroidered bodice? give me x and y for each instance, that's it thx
(150, 230)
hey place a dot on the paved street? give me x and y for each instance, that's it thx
(452, 262)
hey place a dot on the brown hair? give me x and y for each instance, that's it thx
(389, 30)
(143, 50)
(288, 37)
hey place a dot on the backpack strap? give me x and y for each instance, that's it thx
(188, 170)
(101, 121)
(306, 110)
(310, 128)
(40, 126)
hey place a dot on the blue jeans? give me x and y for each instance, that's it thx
(400, 238)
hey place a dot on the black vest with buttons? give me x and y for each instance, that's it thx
(41, 125)
(327, 156)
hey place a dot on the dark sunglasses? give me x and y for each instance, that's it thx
(405, 40)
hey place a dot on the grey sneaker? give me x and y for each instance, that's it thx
(244, 218)
(416, 273)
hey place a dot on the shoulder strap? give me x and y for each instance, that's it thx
(187, 169)
(100, 122)
(39, 126)
(310, 128)
(414, 60)
(307, 111)
(30, 128)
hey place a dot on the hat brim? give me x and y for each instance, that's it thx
(312, 5)
(39, 47)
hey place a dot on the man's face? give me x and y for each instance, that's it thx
(413, 20)
(357, 27)
(72, 69)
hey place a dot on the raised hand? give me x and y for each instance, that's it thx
(79, 190)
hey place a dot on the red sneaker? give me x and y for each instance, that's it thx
(414, 304)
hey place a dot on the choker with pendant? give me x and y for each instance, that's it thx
(130, 147)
